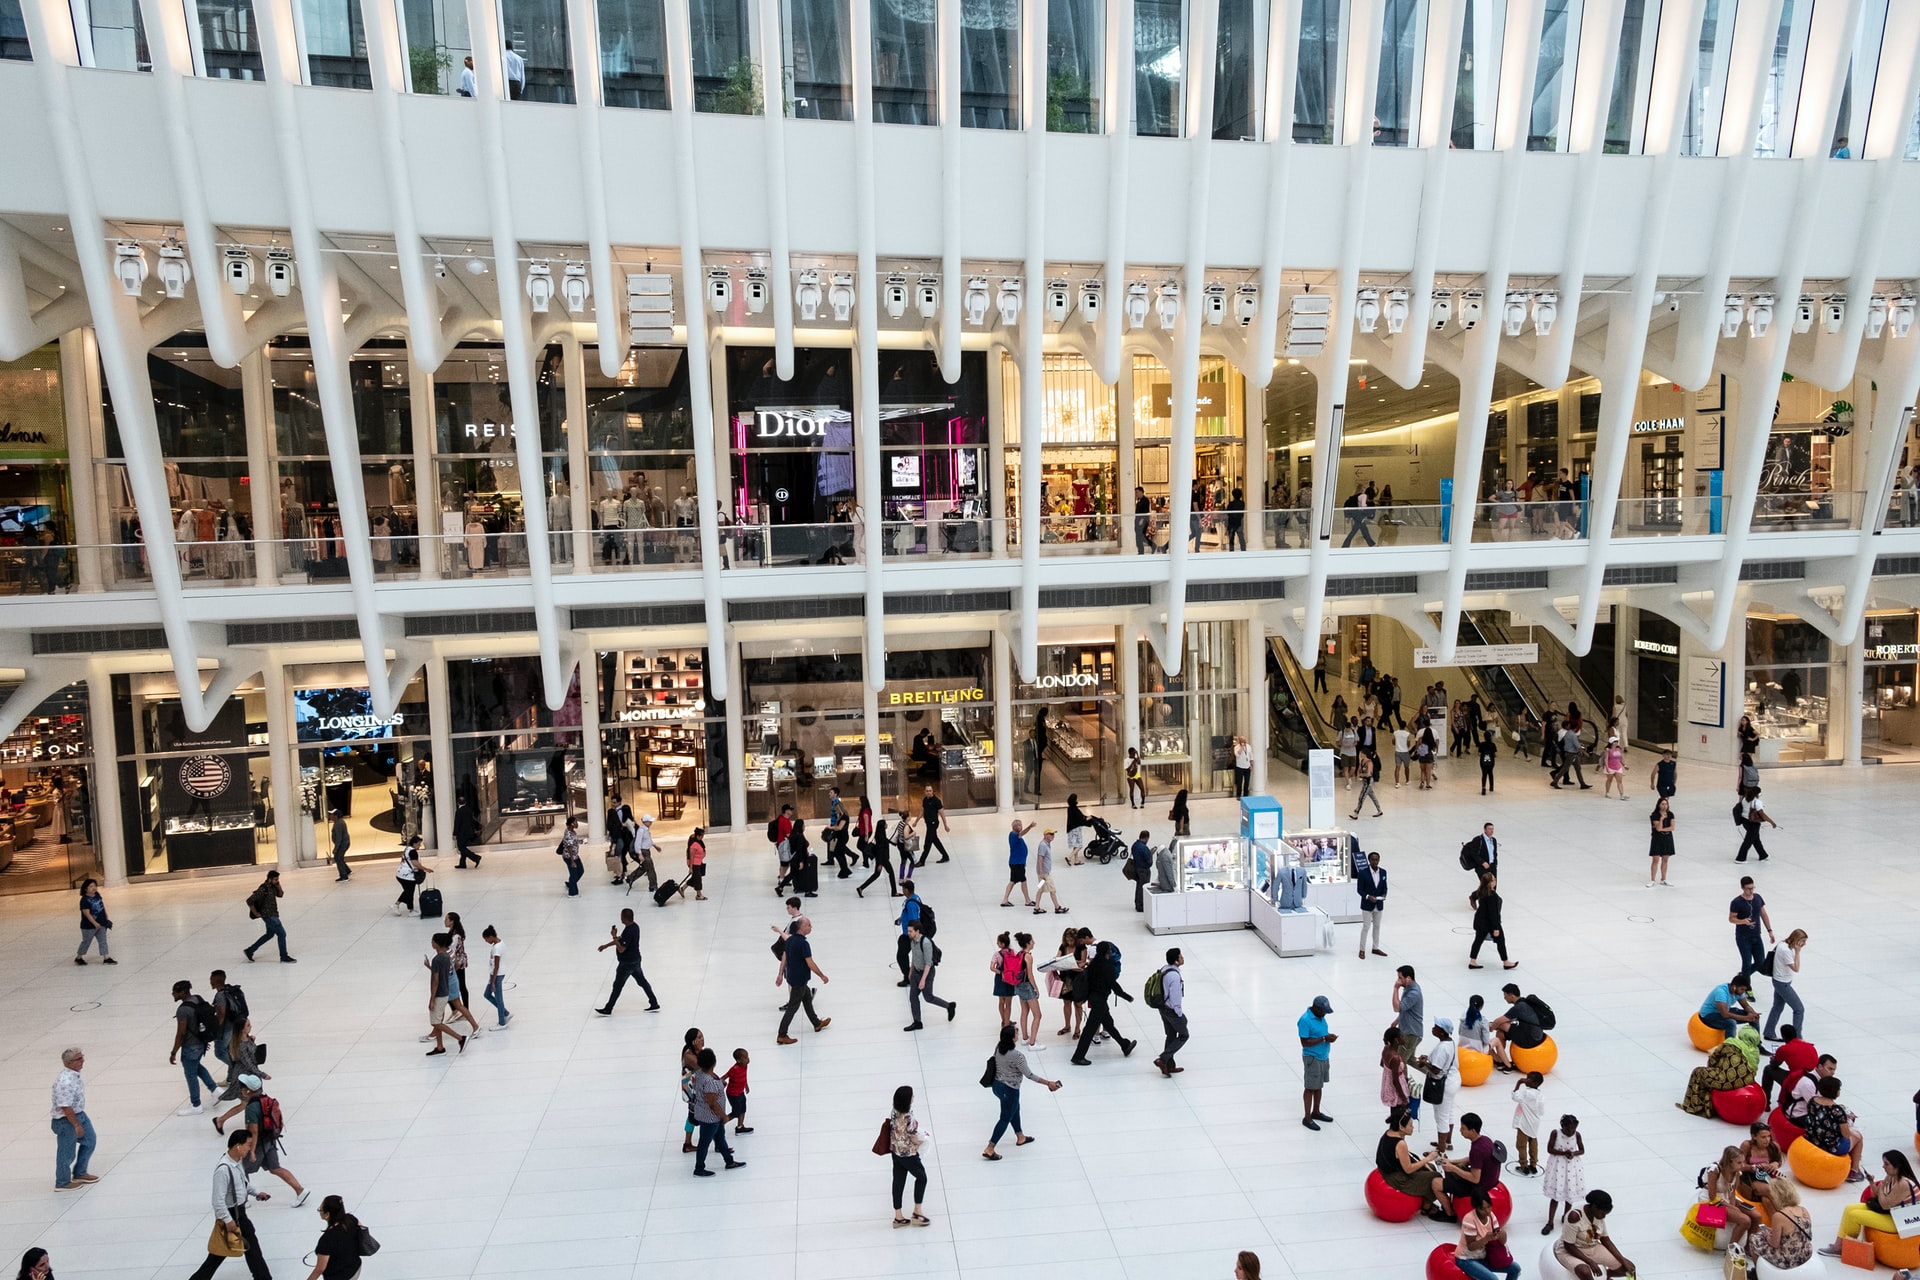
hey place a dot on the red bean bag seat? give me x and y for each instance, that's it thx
(1740, 1106)
(1502, 1203)
(1442, 1266)
(1387, 1204)
(1785, 1131)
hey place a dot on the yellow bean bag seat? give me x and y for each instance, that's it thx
(1889, 1250)
(1704, 1037)
(1539, 1058)
(1815, 1167)
(1476, 1068)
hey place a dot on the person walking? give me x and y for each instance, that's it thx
(1136, 780)
(341, 1246)
(1173, 1013)
(1027, 990)
(1750, 815)
(1660, 842)
(1664, 780)
(264, 903)
(466, 830)
(440, 996)
(620, 826)
(798, 969)
(710, 1114)
(1316, 1052)
(1008, 1066)
(903, 1141)
(461, 989)
(909, 912)
(1101, 982)
(1786, 967)
(1043, 887)
(1242, 766)
(1487, 903)
(1613, 764)
(1178, 814)
(625, 940)
(569, 853)
(496, 990)
(1570, 752)
(93, 922)
(922, 958)
(1748, 915)
(1017, 863)
(696, 865)
(233, 1232)
(643, 846)
(409, 874)
(74, 1136)
(880, 849)
(1372, 884)
(229, 1017)
(933, 816)
(264, 1121)
(1489, 756)
(1367, 772)
(194, 1030)
(839, 827)
(341, 841)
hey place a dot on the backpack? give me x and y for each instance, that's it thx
(272, 1122)
(236, 1004)
(1010, 964)
(1470, 854)
(1738, 821)
(206, 1028)
(1156, 995)
(1542, 1010)
(773, 831)
(928, 925)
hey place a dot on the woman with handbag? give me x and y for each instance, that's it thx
(1482, 1251)
(410, 874)
(1585, 1248)
(1441, 1090)
(880, 849)
(342, 1244)
(1005, 1069)
(901, 1137)
(1787, 1242)
(1405, 1172)
(1898, 1190)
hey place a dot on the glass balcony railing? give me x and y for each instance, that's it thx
(950, 537)
(1792, 512)
(766, 546)
(1073, 535)
(1668, 517)
(1395, 526)
(1518, 521)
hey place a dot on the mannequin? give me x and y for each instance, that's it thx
(1292, 884)
(382, 541)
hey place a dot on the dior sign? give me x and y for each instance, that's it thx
(800, 425)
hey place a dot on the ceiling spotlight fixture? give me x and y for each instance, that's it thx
(1833, 312)
(1442, 308)
(1246, 305)
(130, 267)
(1394, 310)
(574, 287)
(1090, 293)
(1366, 309)
(1514, 314)
(1876, 315)
(238, 269)
(893, 295)
(1059, 301)
(1472, 303)
(1007, 302)
(1734, 310)
(280, 271)
(540, 286)
(1166, 304)
(1308, 320)
(1759, 314)
(173, 268)
(974, 305)
(926, 297)
(840, 296)
(756, 291)
(1546, 309)
(719, 289)
(1900, 314)
(807, 295)
(1803, 314)
(1213, 303)
(1137, 304)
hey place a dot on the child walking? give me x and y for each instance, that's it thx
(736, 1081)
(1564, 1181)
(1528, 1107)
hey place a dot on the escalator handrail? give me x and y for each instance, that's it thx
(1318, 726)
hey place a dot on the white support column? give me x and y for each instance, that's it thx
(718, 379)
(1116, 114)
(1851, 725)
(1254, 416)
(1127, 645)
(1129, 473)
(109, 837)
(1277, 128)
(947, 111)
(83, 478)
(591, 756)
(1258, 709)
(995, 481)
(870, 732)
(289, 840)
(263, 468)
(728, 660)
(446, 779)
(610, 313)
(1033, 98)
(105, 532)
(579, 469)
(426, 472)
(1003, 753)
(773, 107)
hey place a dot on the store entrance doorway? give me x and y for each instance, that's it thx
(382, 790)
(1658, 720)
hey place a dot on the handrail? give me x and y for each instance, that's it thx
(1296, 724)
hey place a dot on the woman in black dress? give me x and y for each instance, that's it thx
(1660, 846)
(1182, 824)
(880, 848)
(1486, 922)
(805, 868)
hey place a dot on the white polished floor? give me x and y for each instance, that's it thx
(553, 1148)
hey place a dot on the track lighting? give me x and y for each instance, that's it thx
(806, 295)
(1876, 315)
(280, 271)
(756, 290)
(1442, 309)
(1900, 314)
(1803, 314)
(540, 286)
(1833, 312)
(1734, 310)
(1366, 309)
(1007, 302)
(926, 298)
(1759, 314)
(238, 269)
(130, 266)
(1308, 320)
(1090, 294)
(649, 308)
(1137, 305)
(840, 296)
(974, 304)
(1472, 303)
(1394, 311)
(893, 295)
(1213, 304)
(719, 289)
(575, 289)
(1059, 301)
(1546, 308)
(173, 268)
(1514, 314)
(1246, 305)
(1166, 305)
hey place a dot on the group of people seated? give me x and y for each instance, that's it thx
(1765, 1219)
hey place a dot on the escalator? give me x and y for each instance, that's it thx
(1511, 689)
(1295, 723)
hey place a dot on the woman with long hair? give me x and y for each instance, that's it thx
(93, 922)
(1009, 1068)
(1660, 844)
(337, 1256)
(1073, 1002)
(904, 1140)
(863, 831)
(459, 952)
(696, 865)
(35, 1265)
(880, 849)
(1487, 924)
(1028, 992)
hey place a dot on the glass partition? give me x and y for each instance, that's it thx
(1240, 70)
(1632, 74)
(1397, 98)
(1317, 87)
(726, 79)
(229, 40)
(13, 32)
(990, 66)
(633, 54)
(1076, 46)
(439, 48)
(905, 43)
(1775, 135)
(118, 34)
(335, 40)
(1700, 130)
(819, 70)
(1477, 90)
(539, 65)
(1553, 76)
(1159, 53)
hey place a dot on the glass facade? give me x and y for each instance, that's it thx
(1791, 676)
(726, 75)
(663, 738)
(47, 835)
(819, 55)
(538, 61)
(990, 65)
(803, 725)
(36, 523)
(1079, 455)
(1316, 90)
(906, 42)
(633, 54)
(1396, 98)
(481, 526)
(517, 764)
(1065, 735)
(191, 799)
(117, 33)
(1159, 67)
(229, 40)
(374, 772)
(1189, 718)
(334, 38)
(937, 721)
(1076, 61)
(640, 461)
(1890, 723)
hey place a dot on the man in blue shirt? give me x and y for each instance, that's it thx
(1017, 864)
(1142, 855)
(909, 912)
(1316, 1044)
(799, 971)
(1726, 1006)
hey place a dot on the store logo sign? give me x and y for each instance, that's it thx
(1654, 646)
(933, 697)
(40, 751)
(635, 715)
(1071, 680)
(358, 724)
(1893, 650)
(490, 431)
(1654, 426)
(205, 777)
(792, 424)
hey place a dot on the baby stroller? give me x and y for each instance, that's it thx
(1106, 844)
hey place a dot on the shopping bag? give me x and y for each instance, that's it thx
(1906, 1220)
(1856, 1253)
(1700, 1237)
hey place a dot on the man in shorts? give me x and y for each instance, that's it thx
(1017, 864)
(1316, 1044)
(1518, 1027)
(439, 995)
(1043, 867)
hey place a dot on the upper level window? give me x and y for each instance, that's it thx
(1159, 67)
(905, 43)
(1396, 99)
(819, 62)
(1240, 65)
(538, 61)
(990, 65)
(1316, 89)
(633, 54)
(229, 41)
(13, 32)
(1632, 77)
(1076, 59)
(726, 77)
(335, 42)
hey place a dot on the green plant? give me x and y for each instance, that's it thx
(428, 62)
(1837, 410)
(739, 94)
(1066, 89)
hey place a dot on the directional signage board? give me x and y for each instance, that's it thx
(1481, 655)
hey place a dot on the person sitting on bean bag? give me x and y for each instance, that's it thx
(1405, 1172)
(1585, 1248)
(1760, 1152)
(1735, 1186)
(1475, 1032)
(1518, 1027)
(1483, 1242)
(1830, 1126)
(1793, 1059)
(1789, 1241)
(1728, 1005)
(1733, 1064)
(1887, 1194)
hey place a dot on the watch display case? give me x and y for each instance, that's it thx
(1213, 873)
(1213, 862)
(1070, 753)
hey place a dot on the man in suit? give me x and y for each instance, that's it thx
(619, 833)
(1488, 852)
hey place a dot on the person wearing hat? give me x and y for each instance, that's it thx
(266, 1139)
(1316, 1043)
(1442, 1063)
(340, 842)
(643, 852)
(1043, 869)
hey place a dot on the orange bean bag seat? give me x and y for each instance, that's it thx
(1889, 1250)
(1785, 1131)
(1816, 1168)
(1441, 1264)
(1476, 1068)
(1539, 1058)
(1740, 1106)
(1501, 1198)
(1705, 1038)
(1387, 1204)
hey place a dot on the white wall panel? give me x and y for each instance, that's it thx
(349, 183)
(132, 178)
(1077, 174)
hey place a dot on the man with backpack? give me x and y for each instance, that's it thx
(779, 827)
(911, 912)
(1524, 1025)
(266, 1123)
(194, 1029)
(229, 1016)
(1166, 990)
(264, 905)
(1481, 855)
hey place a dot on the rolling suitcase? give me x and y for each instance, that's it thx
(430, 907)
(666, 890)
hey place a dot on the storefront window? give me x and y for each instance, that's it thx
(36, 524)
(1890, 715)
(933, 455)
(937, 712)
(664, 739)
(793, 496)
(192, 799)
(640, 461)
(804, 732)
(1065, 734)
(375, 772)
(517, 766)
(47, 836)
(1188, 720)
(1789, 678)
(482, 518)
(1079, 456)
(1219, 446)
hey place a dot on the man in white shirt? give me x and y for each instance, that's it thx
(466, 78)
(1402, 756)
(72, 1130)
(1173, 1016)
(643, 854)
(230, 1196)
(516, 74)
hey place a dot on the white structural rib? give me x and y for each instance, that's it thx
(773, 103)
(699, 355)
(22, 329)
(1033, 112)
(1116, 117)
(872, 530)
(589, 92)
(483, 20)
(1257, 360)
(1519, 60)
(952, 230)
